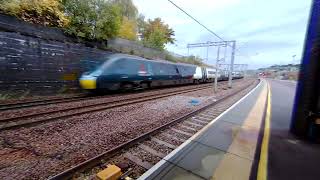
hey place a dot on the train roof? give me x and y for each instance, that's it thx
(158, 60)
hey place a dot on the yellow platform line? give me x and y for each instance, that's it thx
(263, 162)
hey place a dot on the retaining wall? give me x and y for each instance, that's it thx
(44, 60)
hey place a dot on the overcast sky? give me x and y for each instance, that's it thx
(267, 31)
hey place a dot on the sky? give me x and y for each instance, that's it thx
(266, 32)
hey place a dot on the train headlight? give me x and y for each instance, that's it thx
(88, 82)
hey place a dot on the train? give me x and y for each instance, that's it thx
(126, 72)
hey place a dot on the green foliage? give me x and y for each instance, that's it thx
(156, 34)
(44, 12)
(127, 8)
(185, 59)
(193, 60)
(141, 24)
(92, 19)
(155, 39)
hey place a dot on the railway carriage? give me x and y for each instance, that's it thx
(204, 74)
(119, 71)
(126, 72)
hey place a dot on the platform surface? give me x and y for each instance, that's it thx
(288, 157)
(229, 147)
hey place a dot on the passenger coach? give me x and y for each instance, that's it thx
(120, 71)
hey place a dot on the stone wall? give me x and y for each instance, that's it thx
(44, 60)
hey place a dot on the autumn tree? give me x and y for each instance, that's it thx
(128, 11)
(156, 34)
(128, 29)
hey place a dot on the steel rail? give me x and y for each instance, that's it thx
(10, 123)
(68, 174)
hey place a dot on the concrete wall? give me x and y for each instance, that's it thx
(29, 63)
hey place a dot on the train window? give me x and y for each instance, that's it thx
(155, 68)
(171, 70)
(133, 66)
(91, 65)
(163, 69)
(117, 67)
(149, 68)
(124, 66)
(187, 70)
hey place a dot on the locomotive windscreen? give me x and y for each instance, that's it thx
(90, 65)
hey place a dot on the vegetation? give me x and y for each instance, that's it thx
(92, 19)
(97, 20)
(185, 59)
(127, 8)
(128, 29)
(156, 34)
(44, 12)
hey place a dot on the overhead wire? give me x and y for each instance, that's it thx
(215, 34)
(201, 24)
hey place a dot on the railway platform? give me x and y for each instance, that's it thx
(250, 140)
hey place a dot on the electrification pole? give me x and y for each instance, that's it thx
(219, 43)
(217, 71)
(232, 62)
(207, 54)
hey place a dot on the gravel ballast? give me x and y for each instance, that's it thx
(47, 149)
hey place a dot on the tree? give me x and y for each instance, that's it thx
(128, 11)
(127, 8)
(141, 24)
(155, 39)
(128, 29)
(193, 60)
(92, 19)
(44, 12)
(156, 34)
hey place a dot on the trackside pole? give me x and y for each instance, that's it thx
(232, 62)
(217, 71)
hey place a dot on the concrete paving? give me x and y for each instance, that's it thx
(288, 156)
(223, 149)
(246, 142)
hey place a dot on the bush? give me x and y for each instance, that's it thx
(186, 59)
(44, 12)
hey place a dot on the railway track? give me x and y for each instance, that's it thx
(42, 102)
(141, 153)
(18, 105)
(35, 118)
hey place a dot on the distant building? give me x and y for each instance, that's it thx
(289, 71)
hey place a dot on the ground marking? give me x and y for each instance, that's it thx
(263, 162)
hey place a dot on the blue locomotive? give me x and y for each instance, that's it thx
(120, 71)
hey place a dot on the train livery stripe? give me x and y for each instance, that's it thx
(263, 161)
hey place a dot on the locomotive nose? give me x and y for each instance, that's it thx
(88, 82)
